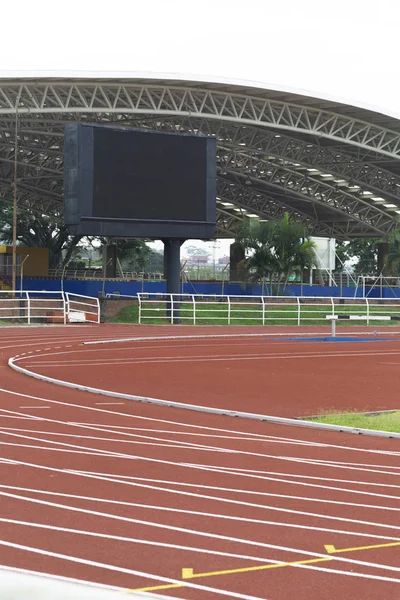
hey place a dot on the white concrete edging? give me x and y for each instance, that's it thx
(199, 408)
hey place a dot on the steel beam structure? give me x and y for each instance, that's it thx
(336, 167)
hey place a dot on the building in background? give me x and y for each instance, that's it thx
(35, 261)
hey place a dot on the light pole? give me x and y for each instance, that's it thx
(22, 271)
(14, 225)
(63, 275)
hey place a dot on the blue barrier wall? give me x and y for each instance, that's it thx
(131, 288)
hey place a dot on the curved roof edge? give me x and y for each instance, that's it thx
(198, 78)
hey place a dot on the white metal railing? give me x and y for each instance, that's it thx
(47, 307)
(99, 274)
(258, 310)
(82, 308)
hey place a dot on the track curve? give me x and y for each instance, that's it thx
(256, 510)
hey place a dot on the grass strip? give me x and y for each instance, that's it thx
(382, 421)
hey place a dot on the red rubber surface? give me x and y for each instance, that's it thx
(190, 490)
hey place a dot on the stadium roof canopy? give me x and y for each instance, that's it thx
(335, 166)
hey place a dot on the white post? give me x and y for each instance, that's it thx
(194, 310)
(65, 300)
(140, 309)
(263, 310)
(333, 306)
(229, 310)
(298, 311)
(172, 309)
(28, 301)
(98, 311)
(333, 328)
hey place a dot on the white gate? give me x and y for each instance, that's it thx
(44, 306)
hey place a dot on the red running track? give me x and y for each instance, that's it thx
(125, 494)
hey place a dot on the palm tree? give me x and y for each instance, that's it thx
(392, 263)
(256, 237)
(276, 249)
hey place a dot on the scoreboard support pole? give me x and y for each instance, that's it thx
(172, 261)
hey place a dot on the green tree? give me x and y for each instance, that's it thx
(364, 251)
(276, 250)
(38, 230)
(392, 265)
(136, 255)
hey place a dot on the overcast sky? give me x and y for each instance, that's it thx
(342, 48)
(348, 49)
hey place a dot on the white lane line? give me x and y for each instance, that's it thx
(132, 481)
(190, 406)
(18, 344)
(350, 466)
(212, 515)
(129, 480)
(188, 425)
(216, 468)
(201, 358)
(240, 436)
(217, 336)
(110, 403)
(34, 407)
(206, 534)
(85, 450)
(141, 348)
(22, 418)
(181, 582)
(287, 481)
(390, 363)
(187, 443)
(219, 468)
(184, 357)
(196, 466)
(10, 431)
(230, 501)
(319, 478)
(103, 453)
(141, 541)
(145, 440)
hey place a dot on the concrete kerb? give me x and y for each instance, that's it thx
(30, 585)
(195, 407)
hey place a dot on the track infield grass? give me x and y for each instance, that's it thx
(218, 313)
(384, 421)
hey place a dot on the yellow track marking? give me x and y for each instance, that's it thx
(333, 550)
(261, 567)
(154, 588)
(188, 573)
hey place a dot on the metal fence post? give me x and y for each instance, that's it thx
(333, 306)
(194, 309)
(28, 302)
(140, 308)
(65, 306)
(298, 311)
(263, 310)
